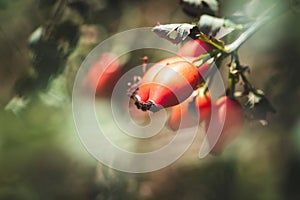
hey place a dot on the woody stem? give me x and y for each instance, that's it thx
(265, 17)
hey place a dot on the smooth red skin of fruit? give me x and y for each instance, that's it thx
(180, 116)
(174, 84)
(203, 105)
(144, 89)
(232, 112)
(109, 67)
(194, 48)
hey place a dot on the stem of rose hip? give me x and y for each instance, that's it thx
(245, 36)
(206, 57)
(233, 74)
(247, 85)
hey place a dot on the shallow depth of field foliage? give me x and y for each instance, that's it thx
(41, 156)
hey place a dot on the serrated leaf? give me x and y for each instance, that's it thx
(174, 33)
(196, 8)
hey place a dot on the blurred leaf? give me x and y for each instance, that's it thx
(56, 94)
(46, 3)
(17, 104)
(212, 25)
(81, 7)
(196, 8)
(4, 4)
(295, 4)
(175, 33)
(50, 44)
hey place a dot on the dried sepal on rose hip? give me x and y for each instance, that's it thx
(231, 111)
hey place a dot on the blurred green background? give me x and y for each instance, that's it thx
(41, 156)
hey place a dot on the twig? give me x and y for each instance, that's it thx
(261, 20)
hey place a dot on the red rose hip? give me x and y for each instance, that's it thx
(231, 111)
(173, 84)
(109, 68)
(194, 48)
(144, 89)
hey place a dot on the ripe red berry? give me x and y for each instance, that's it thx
(168, 83)
(109, 67)
(144, 89)
(180, 116)
(203, 105)
(231, 111)
(173, 84)
(194, 48)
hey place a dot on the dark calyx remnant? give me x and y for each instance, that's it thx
(144, 106)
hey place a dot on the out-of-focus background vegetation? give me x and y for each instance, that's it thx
(41, 156)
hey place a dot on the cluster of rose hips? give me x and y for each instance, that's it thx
(178, 83)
